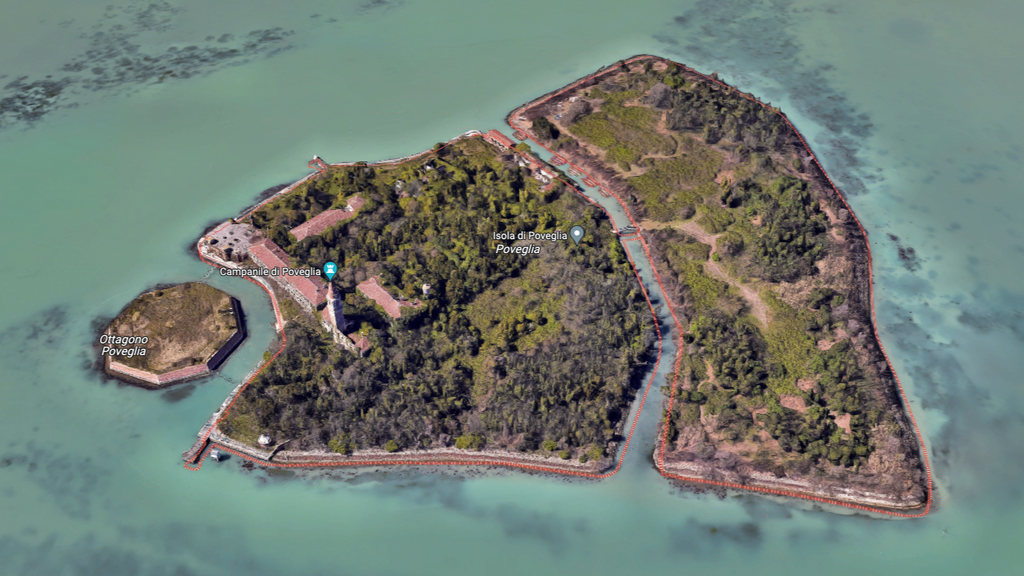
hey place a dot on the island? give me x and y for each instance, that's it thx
(171, 334)
(782, 385)
(433, 310)
(459, 323)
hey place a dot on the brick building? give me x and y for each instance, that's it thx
(326, 219)
(372, 289)
(500, 140)
(307, 292)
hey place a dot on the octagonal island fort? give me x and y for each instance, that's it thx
(172, 334)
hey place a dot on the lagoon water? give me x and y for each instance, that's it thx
(142, 141)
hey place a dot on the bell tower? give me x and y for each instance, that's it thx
(335, 310)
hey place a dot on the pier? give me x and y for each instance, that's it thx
(317, 164)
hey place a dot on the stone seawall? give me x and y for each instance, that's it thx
(189, 372)
(769, 483)
(159, 379)
(234, 342)
(277, 457)
(202, 438)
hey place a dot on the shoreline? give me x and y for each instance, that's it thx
(286, 189)
(276, 458)
(517, 120)
(789, 487)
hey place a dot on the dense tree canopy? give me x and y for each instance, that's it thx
(508, 351)
(769, 344)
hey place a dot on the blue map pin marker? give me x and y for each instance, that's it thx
(330, 269)
(576, 233)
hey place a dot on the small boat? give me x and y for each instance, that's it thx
(216, 455)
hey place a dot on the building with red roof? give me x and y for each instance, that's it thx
(306, 291)
(360, 342)
(324, 220)
(500, 140)
(372, 289)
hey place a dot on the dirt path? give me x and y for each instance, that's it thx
(833, 221)
(750, 296)
(693, 229)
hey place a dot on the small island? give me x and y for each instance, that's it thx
(172, 334)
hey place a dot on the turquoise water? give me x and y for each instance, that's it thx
(910, 106)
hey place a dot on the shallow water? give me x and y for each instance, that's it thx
(909, 107)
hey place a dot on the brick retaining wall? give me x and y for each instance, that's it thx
(159, 379)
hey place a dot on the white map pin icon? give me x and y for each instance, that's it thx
(576, 233)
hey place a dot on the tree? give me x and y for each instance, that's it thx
(419, 374)
(281, 236)
(342, 444)
(469, 442)
(544, 129)
(731, 243)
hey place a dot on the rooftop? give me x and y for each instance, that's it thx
(360, 341)
(500, 139)
(324, 220)
(272, 256)
(372, 289)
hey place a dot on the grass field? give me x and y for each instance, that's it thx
(673, 184)
(714, 219)
(704, 290)
(519, 313)
(788, 344)
(626, 133)
(185, 325)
